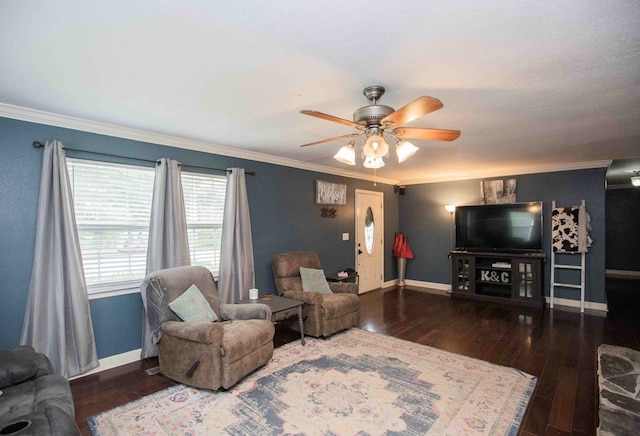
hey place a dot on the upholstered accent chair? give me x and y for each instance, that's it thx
(205, 354)
(324, 313)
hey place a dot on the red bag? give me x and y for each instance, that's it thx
(397, 245)
(401, 247)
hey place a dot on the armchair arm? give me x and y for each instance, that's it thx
(18, 365)
(245, 311)
(344, 287)
(305, 297)
(203, 332)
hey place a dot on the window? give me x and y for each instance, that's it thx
(113, 206)
(113, 209)
(204, 205)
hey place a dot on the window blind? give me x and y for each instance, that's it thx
(113, 208)
(204, 206)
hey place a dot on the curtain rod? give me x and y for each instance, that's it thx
(38, 144)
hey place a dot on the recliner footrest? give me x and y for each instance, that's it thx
(241, 339)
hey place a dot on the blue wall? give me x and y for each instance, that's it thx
(284, 218)
(428, 224)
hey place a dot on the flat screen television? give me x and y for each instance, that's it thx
(513, 227)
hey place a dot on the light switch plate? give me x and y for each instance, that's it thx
(345, 236)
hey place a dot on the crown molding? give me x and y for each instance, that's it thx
(515, 171)
(64, 121)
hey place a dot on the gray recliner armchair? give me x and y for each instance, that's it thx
(324, 314)
(205, 354)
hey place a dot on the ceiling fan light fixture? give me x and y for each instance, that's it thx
(373, 162)
(404, 150)
(374, 121)
(375, 147)
(347, 154)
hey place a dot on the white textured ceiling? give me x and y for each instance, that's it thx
(532, 85)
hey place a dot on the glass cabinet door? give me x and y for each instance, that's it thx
(526, 273)
(463, 275)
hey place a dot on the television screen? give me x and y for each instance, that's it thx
(512, 227)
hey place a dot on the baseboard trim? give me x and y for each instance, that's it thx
(444, 288)
(431, 287)
(620, 273)
(600, 307)
(113, 362)
(389, 283)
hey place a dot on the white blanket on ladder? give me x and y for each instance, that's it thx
(570, 229)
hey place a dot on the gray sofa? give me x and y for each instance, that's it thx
(34, 400)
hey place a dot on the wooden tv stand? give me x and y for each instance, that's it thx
(498, 277)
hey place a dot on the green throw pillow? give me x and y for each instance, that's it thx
(314, 280)
(192, 306)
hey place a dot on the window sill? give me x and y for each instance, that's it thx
(107, 293)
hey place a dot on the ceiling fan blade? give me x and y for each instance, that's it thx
(419, 107)
(428, 134)
(337, 138)
(334, 119)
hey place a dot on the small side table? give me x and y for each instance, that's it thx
(281, 309)
(347, 278)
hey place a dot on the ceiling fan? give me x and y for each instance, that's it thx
(376, 121)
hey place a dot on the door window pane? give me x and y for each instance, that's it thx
(369, 231)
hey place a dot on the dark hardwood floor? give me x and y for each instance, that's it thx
(559, 347)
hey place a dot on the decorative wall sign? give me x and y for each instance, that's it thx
(329, 212)
(493, 276)
(330, 193)
(498, 191)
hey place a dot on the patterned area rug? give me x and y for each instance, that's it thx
(355, 382)
(619, 383)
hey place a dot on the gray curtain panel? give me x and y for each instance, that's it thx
(168, 245)
(237, 272)
(57, 321)
(168, 240)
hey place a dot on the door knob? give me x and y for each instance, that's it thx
(359, 251)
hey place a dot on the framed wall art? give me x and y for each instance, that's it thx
(331, 193)
(498, 191)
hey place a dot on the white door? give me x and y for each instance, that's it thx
(369, 239)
